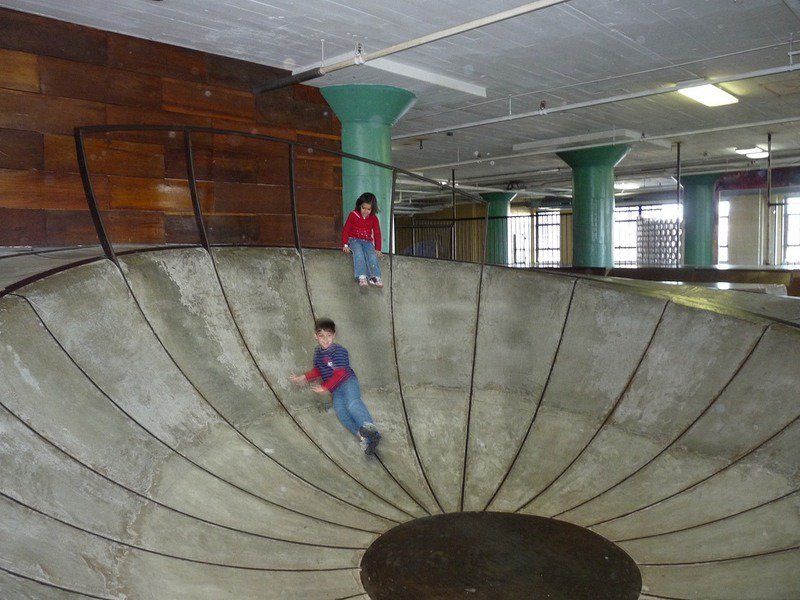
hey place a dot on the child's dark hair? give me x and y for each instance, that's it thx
(367, 198)
(324, 325)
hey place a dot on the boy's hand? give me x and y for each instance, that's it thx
(346, 249)
(319, 389)
(378, 253)
(298, 379)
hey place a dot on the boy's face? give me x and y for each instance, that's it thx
(324, 338)
(366, 209)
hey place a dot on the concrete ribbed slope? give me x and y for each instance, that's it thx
(153, 448)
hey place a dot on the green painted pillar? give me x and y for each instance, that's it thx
(497, 204)
(367, 114)
(593, 203)
(698, 219)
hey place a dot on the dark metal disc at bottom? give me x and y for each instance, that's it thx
(496, 556)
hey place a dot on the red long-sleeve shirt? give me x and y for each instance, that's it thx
(364, 229)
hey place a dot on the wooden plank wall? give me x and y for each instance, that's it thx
(55, 76)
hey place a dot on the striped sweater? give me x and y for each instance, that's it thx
(332, 365)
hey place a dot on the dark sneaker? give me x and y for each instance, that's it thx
(376, 281)
(372, 443)
(369, 438)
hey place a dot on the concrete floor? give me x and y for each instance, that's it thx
(152, 447)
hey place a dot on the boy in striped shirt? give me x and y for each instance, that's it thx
(332, 365)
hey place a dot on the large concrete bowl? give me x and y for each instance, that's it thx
(153, 448)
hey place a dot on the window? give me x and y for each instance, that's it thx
(625, 233)
(791, 232)
(628, 250)
(519, 240)
(548, 239)
(723, 235)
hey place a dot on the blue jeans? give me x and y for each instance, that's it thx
(365, 261)
(348, 405)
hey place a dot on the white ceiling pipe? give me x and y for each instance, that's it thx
(644, 138)
(601, 101)
(359, 59)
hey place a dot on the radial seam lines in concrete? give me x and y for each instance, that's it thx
(383, 465)
(161, 504)
(471, 382)
(608, 414)
(165, 554)
(704, 479)
(289, 414)
(223, 417)
(304, 273)
(56, 586)
(719, 560)
(711, 522)
(675, 440)
(13, 287)
(400, 387)
(539, 401)
(166, 445)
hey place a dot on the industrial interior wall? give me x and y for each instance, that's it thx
(745, 238)
(55, 76)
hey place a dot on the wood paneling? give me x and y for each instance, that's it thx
(21, 227)
(72, 79)
(180, 229)
(104, 156)
(153, 58)
(239, 74)
(55, 76)
(134, 227)
(319, 201)
(61, 191)
(319, 231)
(274, 172)
(281, 109)
(244, 198)
(156, 194)
(48, 37)
(176, 164)
(48, 114)
(128, 115)
(270, 230)
(310, 170)
(21, 149)
(67, 228)
(197, 99)
(19, 71)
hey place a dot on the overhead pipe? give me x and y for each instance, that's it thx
(644, 138)
(360, 59)
(609, 100)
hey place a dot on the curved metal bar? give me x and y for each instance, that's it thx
(90, 197)
(198, 212)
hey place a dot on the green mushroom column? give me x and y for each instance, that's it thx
(698, 218)
(497, 234)
(367, 114)
(593, 203)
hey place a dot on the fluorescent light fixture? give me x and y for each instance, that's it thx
(759, 154)
(626, 185)
(749, 150)
(708, 94)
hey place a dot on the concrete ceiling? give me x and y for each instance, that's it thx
(579, 59)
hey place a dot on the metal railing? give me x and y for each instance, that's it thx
(268, 163)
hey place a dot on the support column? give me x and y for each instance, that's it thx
(593, 203)
(698, 218)
(497, 205)
(367, 114)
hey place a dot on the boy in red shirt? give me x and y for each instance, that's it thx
(362, 236)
